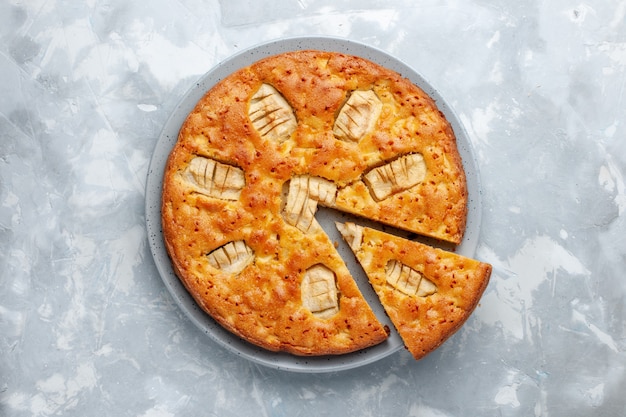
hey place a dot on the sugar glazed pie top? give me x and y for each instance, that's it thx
(258, 154)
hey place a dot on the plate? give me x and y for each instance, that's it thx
(156, 170)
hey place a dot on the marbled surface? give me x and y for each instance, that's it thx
(86, 324)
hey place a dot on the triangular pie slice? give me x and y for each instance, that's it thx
(428, 293)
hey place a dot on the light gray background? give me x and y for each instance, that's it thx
(86, 324)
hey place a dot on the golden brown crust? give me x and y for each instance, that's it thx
(263, 302)
(424, 322)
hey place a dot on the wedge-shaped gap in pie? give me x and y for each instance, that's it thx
(396, 176)
(271, 115)
(232, 258)
(358, 116)
(216, 179)
(408, 281)
(319, 292)
(303, 193)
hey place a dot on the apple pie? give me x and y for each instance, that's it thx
(261, 151)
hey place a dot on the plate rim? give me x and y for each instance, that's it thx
(167, 139)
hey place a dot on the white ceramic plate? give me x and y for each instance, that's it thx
(153, 207)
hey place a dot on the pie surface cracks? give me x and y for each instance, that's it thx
(245, 249)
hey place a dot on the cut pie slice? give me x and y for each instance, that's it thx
(428, 293)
